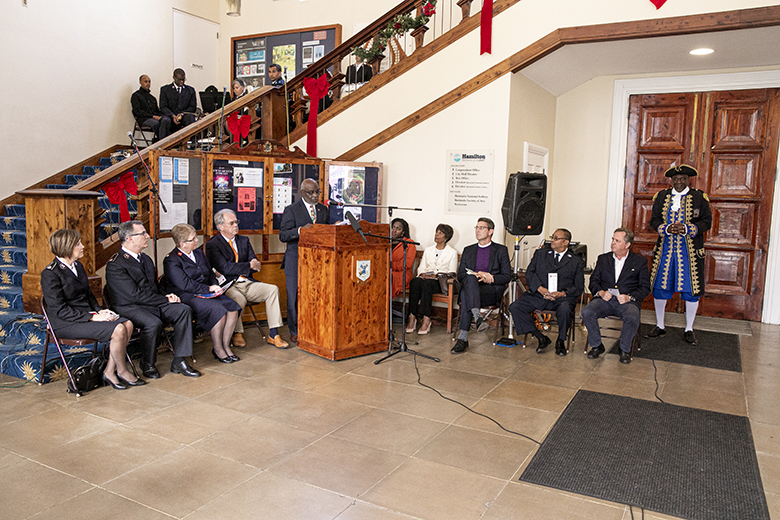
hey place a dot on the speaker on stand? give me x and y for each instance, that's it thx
(523, 213)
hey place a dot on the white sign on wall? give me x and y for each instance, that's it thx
(469, 181)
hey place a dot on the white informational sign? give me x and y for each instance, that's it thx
(469, 181)
(552, 282)
(181, 171)
(166, 169)
(248, 177)
(283, 196)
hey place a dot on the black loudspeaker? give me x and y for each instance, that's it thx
(523, 208)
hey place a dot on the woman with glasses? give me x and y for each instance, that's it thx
(399, 230)
(190, 276)
(437, 259)
(74, 312)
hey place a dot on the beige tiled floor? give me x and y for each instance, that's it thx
(287, 435)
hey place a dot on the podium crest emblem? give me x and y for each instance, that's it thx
(363, 270)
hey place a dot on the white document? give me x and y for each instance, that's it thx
(176, 214)
(283, 196)
(166, 169)
(613, 291)
(181, 168)
(552, 282)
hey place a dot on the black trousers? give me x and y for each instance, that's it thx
(474, 295)
(421, 293)
(151, 321)
(523, 307)
(291, 277)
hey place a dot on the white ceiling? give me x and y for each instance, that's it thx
(574, 65)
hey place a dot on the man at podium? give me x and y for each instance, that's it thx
(301, 214)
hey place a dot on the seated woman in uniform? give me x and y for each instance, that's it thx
(399, 229)
(188, 274)
(74, 312)
(438, 258)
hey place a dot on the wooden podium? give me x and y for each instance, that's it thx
(343, 284)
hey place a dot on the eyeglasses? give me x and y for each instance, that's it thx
(144, 233)
(554, 238)
(480, 227)
(231, 222)
(313, 192)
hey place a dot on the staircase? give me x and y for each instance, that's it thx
(22, 333)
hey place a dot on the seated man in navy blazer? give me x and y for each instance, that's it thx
(619, 283)
(232, 256)
(301, 214)
(178, 102)
(136, 295)
(483, 273)
(557, 266)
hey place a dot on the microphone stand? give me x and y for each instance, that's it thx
(402, 347)
(155, 198)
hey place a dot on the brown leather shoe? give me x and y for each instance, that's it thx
(294, 338)
(238, 340)
(278, 342)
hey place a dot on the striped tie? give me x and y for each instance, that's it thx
(313, 214)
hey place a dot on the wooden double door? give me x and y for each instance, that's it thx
(731, 138)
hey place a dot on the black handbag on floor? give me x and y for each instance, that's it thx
(88, 376)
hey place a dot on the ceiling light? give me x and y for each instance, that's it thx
(234, 7)
(703, 51)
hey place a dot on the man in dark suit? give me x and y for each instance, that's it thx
(359, 73)
(232, 256)
(618, 284)
(557, 266)
(300, 214)
(483, 273)
(146, 112)
(178, 102)
(136, 295)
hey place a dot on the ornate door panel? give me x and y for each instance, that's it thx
(731, 139)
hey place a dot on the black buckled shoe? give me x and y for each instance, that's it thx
(595, 352)
(560, 347)
(656, 332)
(690, 337)
(181, 367)
(150, 371)
(625, 357)
(138, 381)
(460, 346)
(543, 344)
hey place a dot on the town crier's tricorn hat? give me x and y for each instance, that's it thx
(683, 169)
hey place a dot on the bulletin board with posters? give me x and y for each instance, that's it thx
(354, 183)
(179, 177)
(296, 49)
(257, 182)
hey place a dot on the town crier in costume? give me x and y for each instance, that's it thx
(681, 215)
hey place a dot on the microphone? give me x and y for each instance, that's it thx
(334, 203)
(132, 139)
(355, 225)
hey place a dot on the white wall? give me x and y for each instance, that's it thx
(69, 69)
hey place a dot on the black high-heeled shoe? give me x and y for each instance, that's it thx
(234, 358)
(116, 386)
(226, 359)
(138, 381)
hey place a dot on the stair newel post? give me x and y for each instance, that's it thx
(47, 211)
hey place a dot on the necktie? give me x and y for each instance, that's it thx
(313, 214)
(557, 257)
(235, 251)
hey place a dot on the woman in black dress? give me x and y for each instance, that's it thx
(189, 274)
(74, 312)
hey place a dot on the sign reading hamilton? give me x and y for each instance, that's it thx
(469, 181)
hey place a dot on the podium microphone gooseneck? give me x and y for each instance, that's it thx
(222, 116)
(356, 225)
(155, 195)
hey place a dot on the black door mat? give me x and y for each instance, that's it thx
(670, 459)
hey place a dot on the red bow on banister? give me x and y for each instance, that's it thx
(115, 191)
(239, 126)
(316, 89)
(486, 27)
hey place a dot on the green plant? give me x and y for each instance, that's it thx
(401, 24)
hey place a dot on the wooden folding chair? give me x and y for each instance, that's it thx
(636, 342)
(549, 318)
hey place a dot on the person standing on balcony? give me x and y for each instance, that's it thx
(359, 72)
(178, 102)
(146, 112)
(275, 75)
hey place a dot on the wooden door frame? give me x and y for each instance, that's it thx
(619, 142)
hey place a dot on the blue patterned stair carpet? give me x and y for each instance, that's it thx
(22, 334)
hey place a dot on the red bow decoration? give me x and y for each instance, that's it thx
(316, 89)
(115, 191)
(658, 3)
(486, 27)
(239, 125)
